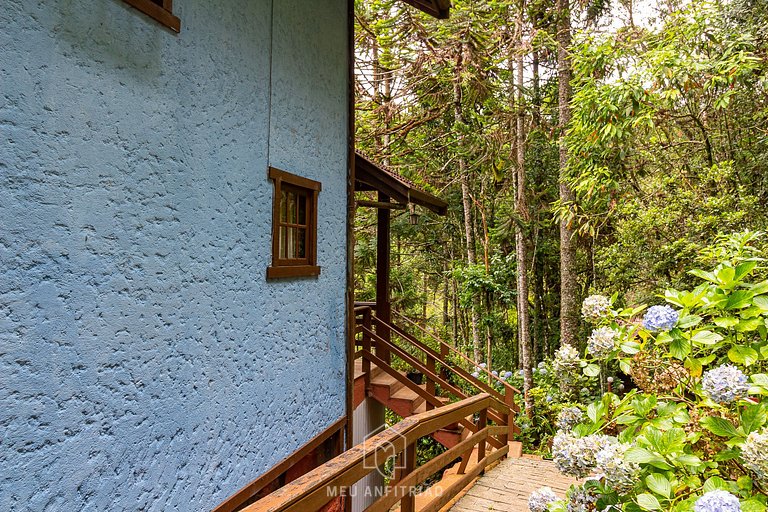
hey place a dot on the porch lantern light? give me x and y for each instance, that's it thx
(414, 217)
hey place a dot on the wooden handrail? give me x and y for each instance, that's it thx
(459, 353)
(318, 487)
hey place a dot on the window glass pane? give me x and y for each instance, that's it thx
(283, 211)
(291, 207)
(281, 242)
(291, 243)
(302, 209)
(301, 251)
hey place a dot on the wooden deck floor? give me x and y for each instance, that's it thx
(506, 487)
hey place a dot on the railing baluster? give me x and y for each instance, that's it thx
(367, 346)
(431, 388)
(408, 501)
(482, 422)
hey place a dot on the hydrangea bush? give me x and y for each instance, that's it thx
(693, 434)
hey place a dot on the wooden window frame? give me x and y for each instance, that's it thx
(296, 267)
(162, 13)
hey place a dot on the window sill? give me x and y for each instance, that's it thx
(293, 271)
(156, 12)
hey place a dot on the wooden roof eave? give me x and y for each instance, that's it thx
(440, 9)
(369, 176)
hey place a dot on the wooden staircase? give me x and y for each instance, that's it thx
(392, 392)
(442, 369)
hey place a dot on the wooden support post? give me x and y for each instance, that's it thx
(509, 400)
(383, 305)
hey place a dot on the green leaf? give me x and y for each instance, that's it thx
(689, 321)
(719, 426)
(743, 269)
(726, 321)
(753, 417)
(716, 483)
(739, 299)
(688, 459)
(639, 455)
(749, 325)
(761, 302)
(759, 288)
(648, 501)
(752, 505)
(742, 355)
(659, 484)
(630, 347)
(706, 338)
(680, 348)
(725, 276)
(709, 276)
(592, 370)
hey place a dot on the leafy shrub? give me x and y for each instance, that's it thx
(693, 436)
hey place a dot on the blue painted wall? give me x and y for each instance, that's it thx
(145, 361)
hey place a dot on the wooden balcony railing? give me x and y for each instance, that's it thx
(320, 486)
(377, 344)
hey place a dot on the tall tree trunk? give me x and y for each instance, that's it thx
(465, 198)
(521, 207)
(569, 290)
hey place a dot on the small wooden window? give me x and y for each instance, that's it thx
(294, 226)
(161, 10)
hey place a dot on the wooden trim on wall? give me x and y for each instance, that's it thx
(162, 14)
(250, 490)
(293, 271)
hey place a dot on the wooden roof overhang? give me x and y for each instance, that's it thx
(437, 8)
(369, 176)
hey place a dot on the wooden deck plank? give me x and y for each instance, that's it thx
(506, 487)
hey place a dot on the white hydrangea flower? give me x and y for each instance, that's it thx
(539, 500)
(566, 359)
(601, 341)
(717, 501)
(725, 384)
(575, 456)
(595, 307)
(568, 418)
(619, 474)
(755, 455)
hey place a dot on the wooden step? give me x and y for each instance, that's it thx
(409, 398)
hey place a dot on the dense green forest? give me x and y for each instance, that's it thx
(583, 148)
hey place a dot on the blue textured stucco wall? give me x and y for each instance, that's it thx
(145, 361)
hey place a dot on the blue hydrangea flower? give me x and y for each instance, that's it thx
(475, 374)
(495, 373)
(543, 371)
(717, 501)
(508, 374)
(539, 500)
(660, 318)
(725, 384)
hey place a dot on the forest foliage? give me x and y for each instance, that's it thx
(667, 147)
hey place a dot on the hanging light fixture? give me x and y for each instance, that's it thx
(414, 217)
